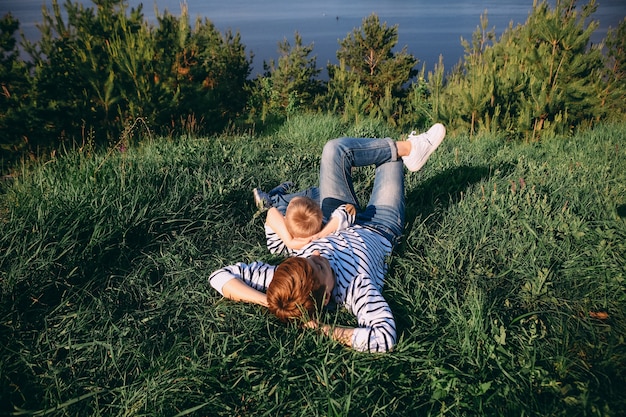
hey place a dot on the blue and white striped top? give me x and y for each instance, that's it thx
(358, 257)
(276, 245)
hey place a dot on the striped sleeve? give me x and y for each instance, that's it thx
(275, 244)
(377, 328)
(345, 219)
(257, 275)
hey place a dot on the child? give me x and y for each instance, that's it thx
(303, 218)
(302, 221)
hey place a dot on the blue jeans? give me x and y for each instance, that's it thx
(281, 201)
(385, 209)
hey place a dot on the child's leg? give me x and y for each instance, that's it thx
(281, 201)
(281, 188)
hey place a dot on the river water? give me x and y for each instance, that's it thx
(427, 28)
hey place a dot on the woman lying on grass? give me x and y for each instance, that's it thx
(347, 267)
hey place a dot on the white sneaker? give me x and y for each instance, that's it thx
(262, 200)
(422, 146)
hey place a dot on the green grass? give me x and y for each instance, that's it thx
(106, 308)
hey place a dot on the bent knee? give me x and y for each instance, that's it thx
(333, 146)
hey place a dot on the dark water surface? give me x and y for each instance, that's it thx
(427, 28)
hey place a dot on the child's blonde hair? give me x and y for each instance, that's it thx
(303, 217)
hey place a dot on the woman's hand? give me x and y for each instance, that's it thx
(311, 324)
(341, 334)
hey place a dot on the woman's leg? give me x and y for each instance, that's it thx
(385, 209)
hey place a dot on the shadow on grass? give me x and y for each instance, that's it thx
(427, 203)
(428, 200)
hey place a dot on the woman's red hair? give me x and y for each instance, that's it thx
(294, 290)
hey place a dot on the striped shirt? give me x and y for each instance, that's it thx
(276, 245)
(358, 257)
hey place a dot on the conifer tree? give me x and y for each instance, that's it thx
(561, 69)
(78, 85)
(101, 70)
(538, 77)
(14, 88)
(417, 111)
(367, 57)
(213, 69)
(291, 83)
(614, 94)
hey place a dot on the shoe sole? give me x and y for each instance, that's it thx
(258, 202)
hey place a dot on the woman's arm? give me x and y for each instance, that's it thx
(244, 282)
(377, 327)
(237, 290)
(341, 334)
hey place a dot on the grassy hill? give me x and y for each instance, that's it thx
(508, 289)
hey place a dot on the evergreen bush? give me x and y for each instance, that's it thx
(371, 77)
(98, 73)
(538, 78)
(14, 92)
(288, 86)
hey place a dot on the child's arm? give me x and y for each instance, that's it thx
(337, 222)
(276, 222)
